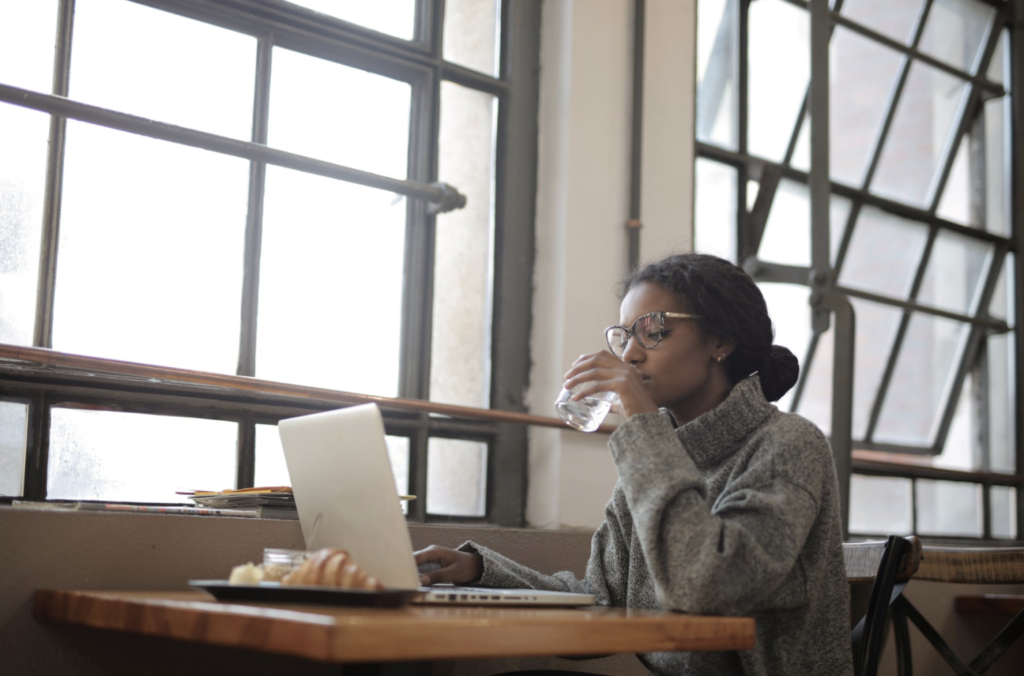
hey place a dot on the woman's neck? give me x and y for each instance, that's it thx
(714, 392)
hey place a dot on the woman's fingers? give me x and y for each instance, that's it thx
(587, 362)
(432, 554)
(455, 566)
(608, 377)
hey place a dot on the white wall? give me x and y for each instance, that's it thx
(582, 207)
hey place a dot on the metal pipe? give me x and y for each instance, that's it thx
(440, 197)
(634, 223)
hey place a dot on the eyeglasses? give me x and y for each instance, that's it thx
(648, 331)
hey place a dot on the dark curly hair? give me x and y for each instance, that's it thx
(730, 308)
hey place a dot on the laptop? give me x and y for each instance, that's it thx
(346, 498)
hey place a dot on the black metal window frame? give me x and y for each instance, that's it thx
(418, 62)
(827, 296)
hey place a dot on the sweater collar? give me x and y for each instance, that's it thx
(713, 436)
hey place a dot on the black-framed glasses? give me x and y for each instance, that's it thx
(648, 331)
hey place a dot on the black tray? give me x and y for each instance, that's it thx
(274, 592)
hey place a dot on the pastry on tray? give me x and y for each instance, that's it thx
(332, 568)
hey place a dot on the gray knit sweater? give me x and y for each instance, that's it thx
(734, 513)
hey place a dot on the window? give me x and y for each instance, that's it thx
(267, 234)
(921, 232)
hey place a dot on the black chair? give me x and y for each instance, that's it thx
(889, 566)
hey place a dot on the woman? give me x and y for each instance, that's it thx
(724, 504)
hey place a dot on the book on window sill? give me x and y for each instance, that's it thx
(124, 507)
(275, 512)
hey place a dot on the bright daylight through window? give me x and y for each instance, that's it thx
(920, 228)
(126, 246)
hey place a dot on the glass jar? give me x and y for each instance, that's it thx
(279, 562)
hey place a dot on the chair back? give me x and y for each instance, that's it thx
(889, 564)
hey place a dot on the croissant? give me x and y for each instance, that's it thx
(332, 568)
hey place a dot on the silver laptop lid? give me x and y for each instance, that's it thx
(345, 491)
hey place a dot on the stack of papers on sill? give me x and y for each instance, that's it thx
(268, 502)
(87, 506)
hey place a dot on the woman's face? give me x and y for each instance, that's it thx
(682, 371)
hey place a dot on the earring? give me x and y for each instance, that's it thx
(720, 357)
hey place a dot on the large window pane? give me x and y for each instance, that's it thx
(394, 17)
(159, 65)
(955, 30)
(471, 34)
(962, 449)
(880, 505)
(948, 508)
(714, 227)
(1002, 303)
(151, 250)
(13, 443)
(920, 130)
(460, 362)
(918, 387)
(863, 73)
(339, 114)
(995, 113)
(957, 198)
(330, 297)
(883, 254)
(27, 31)
(23, 142)
(779, 72)
(816, 399)
(998, 66)
(876, 326)
(787, 234)
(100, 455)
(953, 277)
(717, 72)
(892, 19)
(1002, 402)
(272, 470)
(790, 312)
(1004, 511)
(456, 477)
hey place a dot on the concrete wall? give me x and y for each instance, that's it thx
(87, 550)
(582, 208)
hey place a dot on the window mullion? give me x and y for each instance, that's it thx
(743, 102)
(254, 220)
(37, 450)
(43, 332)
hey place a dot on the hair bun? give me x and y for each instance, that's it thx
(779, 373)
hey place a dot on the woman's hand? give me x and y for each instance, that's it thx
(604, 372)
(456, 567)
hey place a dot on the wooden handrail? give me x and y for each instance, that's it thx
(45, 357)
(922, 468)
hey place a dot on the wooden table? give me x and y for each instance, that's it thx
(414, 633)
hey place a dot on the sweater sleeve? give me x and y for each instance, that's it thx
(729, 558)
(607, 570)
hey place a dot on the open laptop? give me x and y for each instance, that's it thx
(346, 497)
